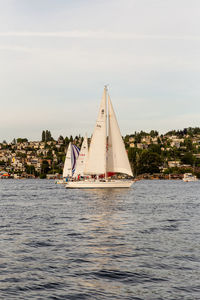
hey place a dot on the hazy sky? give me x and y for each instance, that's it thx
(56, 56)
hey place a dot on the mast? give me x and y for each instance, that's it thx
(96, 162)
(106, 129)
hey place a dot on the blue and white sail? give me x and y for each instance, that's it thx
(74, 157)
(82, 159)
(70, 160)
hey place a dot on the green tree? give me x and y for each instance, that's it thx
(149, 162)
(133, 155)
(22, 140)
(49, 154)
(66, 140)
(188, 144)
(43, 136)
(155, 148)
(31, 170)
(188, 159)
(153, 133)
(46, 136)
(60, 138)
(44, 169)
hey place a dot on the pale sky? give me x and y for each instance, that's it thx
(56, 56)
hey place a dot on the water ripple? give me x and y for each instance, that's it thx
(140, 243)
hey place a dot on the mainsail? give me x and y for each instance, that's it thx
(117, 159)
(82, 158)
(96, 163)
(70, 160)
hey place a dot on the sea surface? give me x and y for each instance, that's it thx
(138, 243)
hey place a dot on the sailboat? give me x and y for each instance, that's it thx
(70, 161)
(107, 152)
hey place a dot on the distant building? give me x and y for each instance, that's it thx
(174, 163)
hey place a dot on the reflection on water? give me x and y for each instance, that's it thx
(138, 243)
(105, 243)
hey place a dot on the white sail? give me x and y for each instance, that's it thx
(117, 158)
(67, 171)
(96, 163)
(82, 159)
(70, 160)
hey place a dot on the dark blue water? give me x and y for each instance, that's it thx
(140, 243)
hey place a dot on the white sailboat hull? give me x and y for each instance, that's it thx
(99, 184)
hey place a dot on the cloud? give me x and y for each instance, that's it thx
(98, 35)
